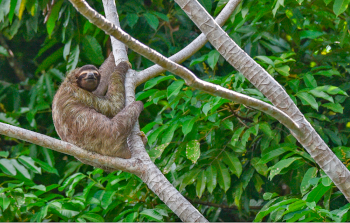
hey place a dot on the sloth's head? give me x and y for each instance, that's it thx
(88, 77)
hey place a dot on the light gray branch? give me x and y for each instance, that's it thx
(127, 165)
(181, 71)
(190, 49)
(263, 81)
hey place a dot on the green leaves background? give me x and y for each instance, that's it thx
(234, 163)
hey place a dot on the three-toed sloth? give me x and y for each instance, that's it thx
(89, 109)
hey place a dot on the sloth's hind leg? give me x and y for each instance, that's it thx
(124, 121)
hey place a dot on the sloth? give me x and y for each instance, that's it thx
(89, 110)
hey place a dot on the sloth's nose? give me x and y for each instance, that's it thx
(90, 76)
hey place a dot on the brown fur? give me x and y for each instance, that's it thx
(92, 120)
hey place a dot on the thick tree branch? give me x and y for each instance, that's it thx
(190, 49)
(147, 170)
(263, 81)
(187, 75)
(128, 165)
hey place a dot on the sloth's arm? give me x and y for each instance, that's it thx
(116, 90)
(106, 69)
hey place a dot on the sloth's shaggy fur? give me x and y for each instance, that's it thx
(97, 123)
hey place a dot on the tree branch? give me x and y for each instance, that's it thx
(263, 81)
(190, 49)
(128, 165)
(12, 60)
(187, 75)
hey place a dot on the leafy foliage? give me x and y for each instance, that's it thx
(234, 163)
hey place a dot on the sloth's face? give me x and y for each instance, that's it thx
(88, 78)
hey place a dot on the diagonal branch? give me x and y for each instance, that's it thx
(181, 71)
(309, 138)
(12, 60)
(190, 49)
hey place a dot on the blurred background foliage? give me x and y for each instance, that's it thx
(232, 162)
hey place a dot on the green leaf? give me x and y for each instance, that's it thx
(331, 90)
(73, 59)
(310, 173)
(213, 58)
(161, 15)
(211, 175)
(154, 81)
(92, 50)
(46, 167)
(340, 6)
(189, 178)
(107, 199)
(336, 107)
(310, 81)
(327, 1)
(4, 154)
(310, 34)
(317, 193)
(51, 22)
(265, 128)
(233, 163)
(175, 88)
(252, 130)
(193, 151)
(328, 73)
(236, 136)
(169, 134)
(152, 214)
(200, 187)
(7, 167)
(283, 70)
(268, 196)
(157, 151)
(4, 201)
(282, 164)
(92, 217)
(3, 51)
(50, 60)
(267, 211)
(228, 124)
(206, 108)
(188, 125)
(199, 60)
(259, 167)
(321, 94)
(21, 169)
(224, 177)
(29, 163)
(308, 99)
(132, 19)
(67, 212)
(9, 120)
(207, 4)
(266, 60)
(40, 215)
(66, 49)
(333, 136)
(12, 10)
(294, 85)
(152, 20)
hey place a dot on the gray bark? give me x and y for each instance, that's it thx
(309, 138)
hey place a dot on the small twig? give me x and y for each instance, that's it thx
(12, 60)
